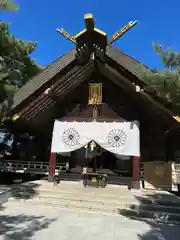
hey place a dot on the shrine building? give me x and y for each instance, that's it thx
(91, 109)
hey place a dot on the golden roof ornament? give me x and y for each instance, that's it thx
(90, 27)
(91, 42)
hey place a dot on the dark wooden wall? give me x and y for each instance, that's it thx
(117, 105)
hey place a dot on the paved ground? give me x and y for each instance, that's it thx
(3, 188)
(38, 222)
(27, 222)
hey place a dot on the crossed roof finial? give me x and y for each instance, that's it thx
(90, 27)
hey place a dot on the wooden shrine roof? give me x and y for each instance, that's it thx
(65, 72)
(35, 102)
(122, 59)
(128, 63)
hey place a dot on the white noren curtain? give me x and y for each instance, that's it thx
(121, 138)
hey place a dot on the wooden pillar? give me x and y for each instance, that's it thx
(52, 164)
(136, 173)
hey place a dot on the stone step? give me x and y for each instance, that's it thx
(101, 194)
(122, 209)
(77, 191)
(108, 194)
(138, 213)
(78, 197)
(155, 208)
(82, 197)
(74, 200)
(170, 200)
(66, 204)
(128, 202)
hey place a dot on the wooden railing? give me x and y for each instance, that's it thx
(28, 166)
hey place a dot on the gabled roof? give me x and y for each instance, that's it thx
(128, 63)
(42, 78)
(66, 73)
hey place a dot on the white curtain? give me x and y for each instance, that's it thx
(70, 136)
(121, 138)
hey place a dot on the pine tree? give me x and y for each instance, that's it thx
(166, 82)
(16, 67)
(8, 5)
(169, 58)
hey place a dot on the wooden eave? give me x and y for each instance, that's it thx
(63, 86)
(42, 80)
(132, 69)
(142, 97)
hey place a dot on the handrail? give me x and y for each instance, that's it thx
(26, 166)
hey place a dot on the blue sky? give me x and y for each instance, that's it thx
(38, 19)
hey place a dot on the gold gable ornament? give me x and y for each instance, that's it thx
(95, 94)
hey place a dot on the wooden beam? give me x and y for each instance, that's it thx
(70, 83)
(43, 97)
(89, 21)
(122, 31)
(60, 90)
(65, 34)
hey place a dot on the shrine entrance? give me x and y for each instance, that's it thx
(97, 160)
(96, 147)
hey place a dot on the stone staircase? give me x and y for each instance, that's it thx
(139, 204)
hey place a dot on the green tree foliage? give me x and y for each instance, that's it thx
(166, 82)
(16, 66)
(169, 58)
(8, 5)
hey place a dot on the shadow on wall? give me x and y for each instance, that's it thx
(22, 227)
(160, 211)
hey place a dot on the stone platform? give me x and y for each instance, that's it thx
(158, 205)
(70, 211)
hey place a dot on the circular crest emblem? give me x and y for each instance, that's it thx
(159, 171)
(70, 137)
(93, 180)
(117, 138)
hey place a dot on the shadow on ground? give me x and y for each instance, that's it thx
(22, 227)
(25, 191)
(22, 185)
(151, 211)
(161, 232)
